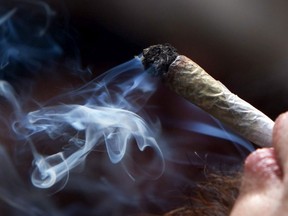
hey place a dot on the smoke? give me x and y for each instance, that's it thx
(105, 112)
(24, 40)
(114, 141)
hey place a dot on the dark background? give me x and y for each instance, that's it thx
(241, 43)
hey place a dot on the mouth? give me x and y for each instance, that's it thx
(263, 163)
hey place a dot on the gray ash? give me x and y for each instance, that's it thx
(157, 58)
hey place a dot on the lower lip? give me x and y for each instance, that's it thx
(263, 163)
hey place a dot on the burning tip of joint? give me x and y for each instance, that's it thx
(157, 58)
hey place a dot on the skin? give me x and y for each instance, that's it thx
(264, 188)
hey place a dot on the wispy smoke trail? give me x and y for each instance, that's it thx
(23, 42)
(110, 114)
(105, 111)
(15, 192)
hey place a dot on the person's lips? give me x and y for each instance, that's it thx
(263, 164)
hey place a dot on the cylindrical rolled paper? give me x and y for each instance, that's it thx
(190, 81)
